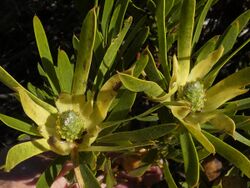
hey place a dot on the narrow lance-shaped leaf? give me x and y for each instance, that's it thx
(200, 22)
(19, 125)
(44, 51)
(168, 176)
(191, 160)
(117, 18)
(227, 89)
(209, 79)
(184, 43)
(162, 41)
(84, 53)
(23, 151)
(107, 10)
(206, 49)
(139, 136)
(64, 71)
(229, 37)
(230, 153)
(110, 55)
(88, 177)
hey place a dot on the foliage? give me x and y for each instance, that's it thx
(82, 110)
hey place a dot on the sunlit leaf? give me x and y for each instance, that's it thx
(64, 72)
(191, 160)
(19, 125)
(184, 45)
(227, 89)
(84, 53)
(206, 49)
(230, 153)
(106, 96)
(23, 151)
(138, 85)
(204, 66)
(46, 57)
(43, 118)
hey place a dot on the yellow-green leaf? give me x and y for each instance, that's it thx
(203, 67)
(84, 53)
(152, 89)
(64, 71)
(23, 151)
(43, 118)
(45, 55)
(19, 125)
(227, 89)
(184, 43)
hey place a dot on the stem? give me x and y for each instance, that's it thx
(77, 171)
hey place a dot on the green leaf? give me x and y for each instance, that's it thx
(206, 49)
(195, 130)
(241, 139)
(107, 10)
(110, 179)
(23, 151)
(106, 96)
(229, 37)
(64, 71)
(139, 136)
(116, 148)
(136, 44)
(168, 176)
(230, 153)
(191, 160)
(111, 52)
(223, 123)
(200, 22)
(75, 42)
(168, 6)
(85, 52)
(184, 43)
(139, 171)
(49, 175)
(88, 177)
(162, 41)
(117, 18)
(44, 51)
(19, 125)
(227, 89)
(241, 104)
(200, 70)
(212, 75)
(152, 89)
